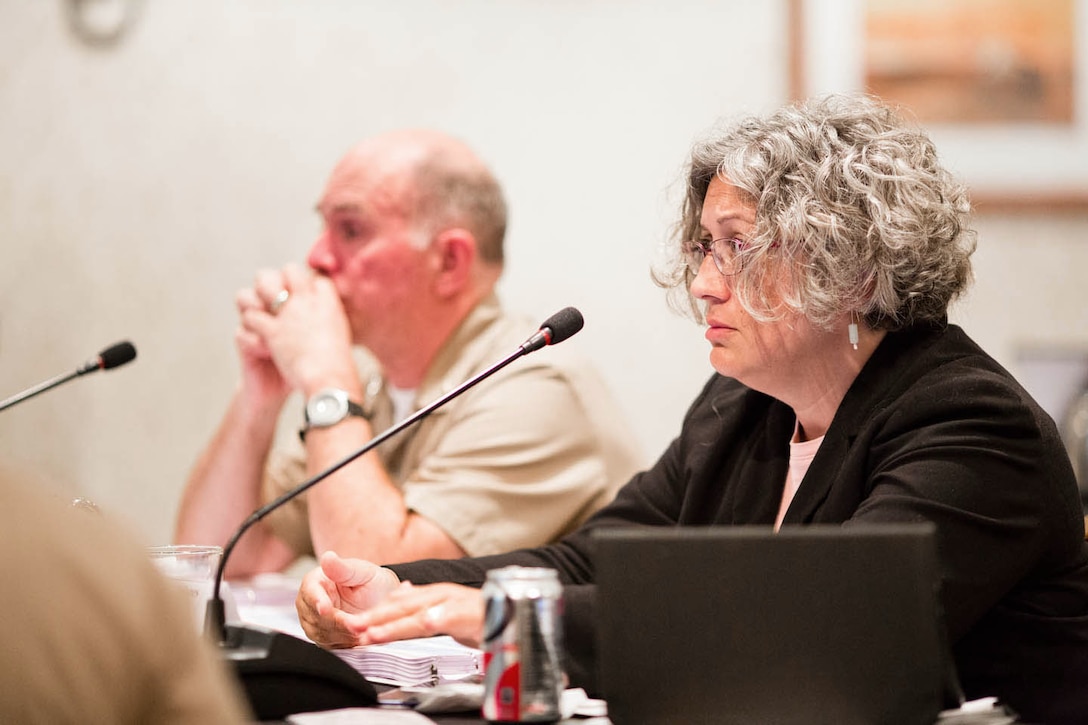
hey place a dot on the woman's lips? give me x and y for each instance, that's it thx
(718, 330)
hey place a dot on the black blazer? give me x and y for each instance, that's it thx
(933, 429)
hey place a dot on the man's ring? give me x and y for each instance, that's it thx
(278, 301)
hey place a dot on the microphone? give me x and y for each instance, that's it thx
(282, 674)
(555, 329)
(113, 356)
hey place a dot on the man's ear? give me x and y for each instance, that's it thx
(455, 259)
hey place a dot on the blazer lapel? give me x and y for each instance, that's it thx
(881, 373)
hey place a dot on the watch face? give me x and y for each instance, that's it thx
(327, 407)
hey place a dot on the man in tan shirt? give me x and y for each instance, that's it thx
(405, 269)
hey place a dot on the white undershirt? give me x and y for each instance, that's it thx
(801, 455)
(404, 400)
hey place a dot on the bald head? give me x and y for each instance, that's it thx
(434, 180)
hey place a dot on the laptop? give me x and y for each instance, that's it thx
(816, 624)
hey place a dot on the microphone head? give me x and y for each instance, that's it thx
(117, 354)
(563, 324)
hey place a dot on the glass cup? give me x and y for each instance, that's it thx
(194, 567)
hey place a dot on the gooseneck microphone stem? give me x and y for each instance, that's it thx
(111, 357)
(40, 388)
(557, 328)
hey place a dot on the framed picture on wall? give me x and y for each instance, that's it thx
(1001, 85)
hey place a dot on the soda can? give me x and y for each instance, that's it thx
(523, 675)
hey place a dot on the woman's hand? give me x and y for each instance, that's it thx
(428, 609)
(334, 597)
(350, 602)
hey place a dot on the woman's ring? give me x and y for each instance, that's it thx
(434, 614)
(278, 301)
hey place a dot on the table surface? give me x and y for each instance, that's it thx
(270, 600)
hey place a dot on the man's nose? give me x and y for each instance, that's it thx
(321, 259)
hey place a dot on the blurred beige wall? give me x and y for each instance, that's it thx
(142, 184)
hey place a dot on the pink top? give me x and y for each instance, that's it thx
(801, 455)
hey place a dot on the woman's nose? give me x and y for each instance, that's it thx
(709, 282)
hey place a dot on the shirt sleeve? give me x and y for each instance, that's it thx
(518, 464)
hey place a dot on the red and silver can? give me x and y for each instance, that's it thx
(523, 675)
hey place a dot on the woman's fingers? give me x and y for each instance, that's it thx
(427, 610)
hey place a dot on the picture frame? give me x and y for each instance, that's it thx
(1009, 164)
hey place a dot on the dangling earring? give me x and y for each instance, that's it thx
(852, 329)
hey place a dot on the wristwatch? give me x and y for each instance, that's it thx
(327, 407)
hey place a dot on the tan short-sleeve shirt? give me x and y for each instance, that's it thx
(519, 460)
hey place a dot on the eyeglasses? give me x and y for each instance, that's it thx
(723, 251)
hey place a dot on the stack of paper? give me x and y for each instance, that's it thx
(269, 601)
(430, 660)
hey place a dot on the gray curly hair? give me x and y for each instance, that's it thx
(851, 205)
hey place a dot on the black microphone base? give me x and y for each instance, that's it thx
(282, 675)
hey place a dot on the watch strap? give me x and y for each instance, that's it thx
(353, 409)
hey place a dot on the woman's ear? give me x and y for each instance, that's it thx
(455, 259)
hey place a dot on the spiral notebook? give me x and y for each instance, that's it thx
(743, 625)
(425, 661)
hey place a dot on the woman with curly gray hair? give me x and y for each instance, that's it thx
(821, 246)
(848, 203)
